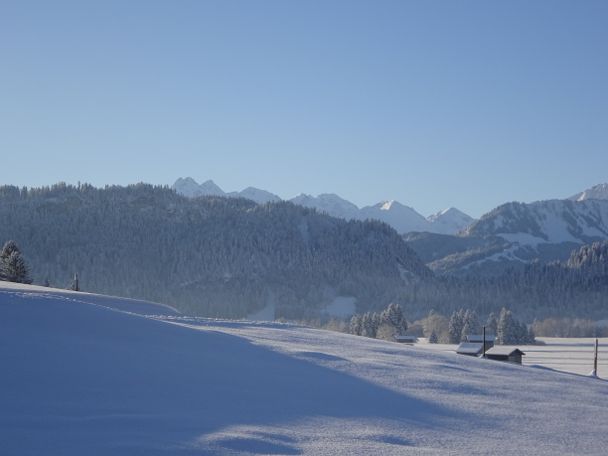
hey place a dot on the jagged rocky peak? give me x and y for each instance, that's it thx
(211, 188)
(187, 186)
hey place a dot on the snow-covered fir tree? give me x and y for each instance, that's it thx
(356, 325)
(393, 315)
(456, 326)
(13, 267)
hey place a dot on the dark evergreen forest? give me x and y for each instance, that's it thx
(229, 257)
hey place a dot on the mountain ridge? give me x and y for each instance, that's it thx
(400, 216)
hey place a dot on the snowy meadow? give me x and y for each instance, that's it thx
(100, 375)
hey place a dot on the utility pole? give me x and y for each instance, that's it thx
(594, 373)
(484, 341)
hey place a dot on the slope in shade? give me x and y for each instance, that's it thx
(81, 379)
(85, 379)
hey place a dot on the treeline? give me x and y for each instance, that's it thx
(569, 327)
(438, 328)
(379, 325)
(465, 322)
(577, 288)
(210, 256)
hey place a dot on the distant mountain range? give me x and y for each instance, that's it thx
(451, 242)
(401, 217)
(515, 234)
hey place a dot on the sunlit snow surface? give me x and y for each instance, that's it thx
(84, 379)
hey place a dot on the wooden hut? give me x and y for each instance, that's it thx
(504, 353)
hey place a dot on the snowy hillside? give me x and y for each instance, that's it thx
(81, 378)
(552, 221)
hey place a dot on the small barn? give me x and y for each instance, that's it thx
(503, 353)
(469, 349)
(478, 339)
(405, 339)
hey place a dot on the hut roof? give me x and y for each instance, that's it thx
(503, 350)
(468, 348)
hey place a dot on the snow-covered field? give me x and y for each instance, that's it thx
(81, 377)
(572, 355)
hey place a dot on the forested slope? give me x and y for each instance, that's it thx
(211, 256)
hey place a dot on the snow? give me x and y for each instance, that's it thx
(596, 192)
(82, 378)
(342, 307)
(386, 206)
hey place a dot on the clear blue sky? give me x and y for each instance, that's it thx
(433, 103)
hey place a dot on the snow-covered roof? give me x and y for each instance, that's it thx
(503, 350)
(468, 348)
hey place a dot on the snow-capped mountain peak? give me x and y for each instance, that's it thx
(599, 191)
(401, 217)
(450, 220)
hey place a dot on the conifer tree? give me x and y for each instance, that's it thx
(355, 326)
(492, 324)
(12, 265)
(393, 315)
(456, 326)
(368, 325)
(506, 332)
